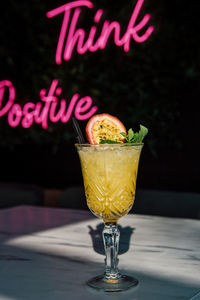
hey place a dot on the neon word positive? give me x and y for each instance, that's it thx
(77, 35)
(47, 109)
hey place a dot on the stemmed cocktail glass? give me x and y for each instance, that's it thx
(109, 174)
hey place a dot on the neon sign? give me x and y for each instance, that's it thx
(42, 112)
(49, 108)
(77, 36)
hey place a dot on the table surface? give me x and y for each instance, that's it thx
(49, 253)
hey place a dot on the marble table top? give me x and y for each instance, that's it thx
(49, 253)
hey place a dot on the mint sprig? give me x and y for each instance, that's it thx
(135, 137)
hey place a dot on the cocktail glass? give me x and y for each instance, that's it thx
(109, 175)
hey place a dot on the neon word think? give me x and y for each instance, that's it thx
(77, 35)
(47, 109)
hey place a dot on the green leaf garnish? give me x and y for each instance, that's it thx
(108, 142)
(123, 133)
(130, 134)
(136, 137)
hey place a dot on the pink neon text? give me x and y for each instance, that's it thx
(77, 35)
(45, 110)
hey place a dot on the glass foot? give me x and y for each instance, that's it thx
(109, 285)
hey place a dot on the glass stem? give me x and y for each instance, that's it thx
(111, 236)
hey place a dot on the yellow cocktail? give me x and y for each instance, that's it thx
(109, 173)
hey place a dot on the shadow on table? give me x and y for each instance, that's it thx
(97, 239)
(56, 277)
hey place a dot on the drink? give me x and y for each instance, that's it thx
(109, 173)
(109, 167)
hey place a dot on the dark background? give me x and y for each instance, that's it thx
(156, 84)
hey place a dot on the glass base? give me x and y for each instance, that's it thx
(108, 285)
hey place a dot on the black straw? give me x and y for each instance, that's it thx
(79, 135)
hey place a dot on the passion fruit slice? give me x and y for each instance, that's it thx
(104, 127)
